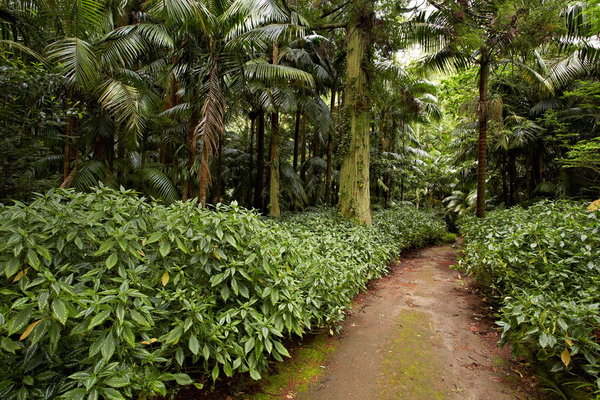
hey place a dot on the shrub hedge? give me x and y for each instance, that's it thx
(543, 265)
(107, 295)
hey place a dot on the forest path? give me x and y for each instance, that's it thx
(418, 334)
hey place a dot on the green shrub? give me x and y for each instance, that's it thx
(105, 295)
(543, 265)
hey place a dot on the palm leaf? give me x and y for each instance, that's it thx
(77, 61)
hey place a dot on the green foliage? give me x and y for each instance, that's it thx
(105, 295)
(543, 264)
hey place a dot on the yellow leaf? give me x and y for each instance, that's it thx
(217, 255)
(153, 340)
(28, 330)
(20, 275)
(145, 342)
(565, 356)
(165, 278)
(594, 205)
(569, 342)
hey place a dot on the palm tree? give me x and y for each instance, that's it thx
(479, 33)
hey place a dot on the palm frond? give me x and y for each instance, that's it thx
(155, 183)
(262, 71)
(77, 61)
(123, 102)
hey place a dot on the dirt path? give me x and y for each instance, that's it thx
(415, 335)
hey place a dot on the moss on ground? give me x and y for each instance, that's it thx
(411, 367)
(294, 376)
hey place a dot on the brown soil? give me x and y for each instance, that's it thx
(420, 334)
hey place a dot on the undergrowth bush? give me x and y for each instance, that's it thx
(105, 295)
(543, 265)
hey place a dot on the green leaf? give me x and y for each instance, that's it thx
(254, 374)
(183, 379)
(155, 237)
(164, 248)
(206, 352)
(20, 320)
(11, 266)
(112, 394)
(174, 335)
(111, 261)
(280, 349)
(249, 345)
(105, 247)
(98, 319)
(74, 394)
(215, 372)
(117, 381)
(108, 346)
(128, 335)
(194, 344)
(59, 310)
(32, 259)
(9, 345)
(139, 318)
(547, 340)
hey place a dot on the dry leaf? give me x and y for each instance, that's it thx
(565, 356)
(28, 330)
(165, 278)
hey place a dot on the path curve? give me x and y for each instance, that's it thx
(415, 335)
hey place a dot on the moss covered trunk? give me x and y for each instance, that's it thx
(260, 162)
(484, 73)
(274, 184)
(354, 200)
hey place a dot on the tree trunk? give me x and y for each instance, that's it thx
(191, 142)
(513, 187)
(67, 148)
(355, 201)
(329, 170)
(260, 162)
(274, 184)
(170, 102)
(484, 72)
(251, 158)
(296, 139)
(303, 148)
(218, 195)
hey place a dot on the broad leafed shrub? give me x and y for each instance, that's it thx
(106, 295)
(543, 265)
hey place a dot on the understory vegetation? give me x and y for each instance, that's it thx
(166, 121)
(107, 295)
(542, 264)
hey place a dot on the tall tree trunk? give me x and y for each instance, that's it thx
(170, 102)
(355, 201)
(251, 158)
(191, 140)
(513, 187)
(315, 147)
(260, 162)
(504, 173)
(296, 139)
(303, 148)
(67, 148)
(218, 195)
(329, 169)
(274, 184)
(484, 73)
